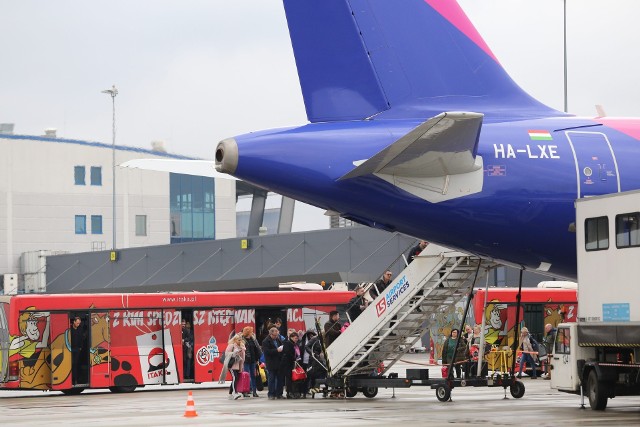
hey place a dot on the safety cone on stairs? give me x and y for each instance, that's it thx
(191, 408)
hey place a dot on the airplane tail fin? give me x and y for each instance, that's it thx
(398, 59)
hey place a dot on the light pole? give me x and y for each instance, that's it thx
(113, 92)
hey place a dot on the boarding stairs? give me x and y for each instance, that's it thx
(435, 281)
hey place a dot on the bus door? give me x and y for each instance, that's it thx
(211, 332)
(264, 318)
(534, 320)
(187, 353)
(99, 350)
(61, 359)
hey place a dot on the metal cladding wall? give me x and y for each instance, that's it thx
(355, 254)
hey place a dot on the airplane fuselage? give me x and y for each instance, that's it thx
(532, 171)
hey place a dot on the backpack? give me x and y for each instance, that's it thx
(534, 344)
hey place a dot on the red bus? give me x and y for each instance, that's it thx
(538, 306)
(134, 340)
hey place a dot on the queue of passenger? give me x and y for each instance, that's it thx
(284, 355)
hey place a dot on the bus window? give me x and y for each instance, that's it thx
(563, 339)
(268, 317)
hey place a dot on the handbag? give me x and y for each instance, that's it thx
(263, 374)
(261, 378)
(298, 373)
(231, 361)
(445, 371)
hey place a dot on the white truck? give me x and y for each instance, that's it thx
(598, 356)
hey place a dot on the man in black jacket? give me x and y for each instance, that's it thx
(272, 349)
(416, 250)
(332, 328)
(381, 284)
(187, 350)
(77, 343)
(357, 304)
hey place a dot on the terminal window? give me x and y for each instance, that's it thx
(78, 175)
(141, 225)
(96, 175)
(628, 230)
(192, 208)
(81, 224)
(596, 233)
(96, 224)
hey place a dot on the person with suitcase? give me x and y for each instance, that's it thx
(234, 358)
(252, 358)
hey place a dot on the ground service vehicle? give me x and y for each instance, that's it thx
(598, 355)
(134, 340)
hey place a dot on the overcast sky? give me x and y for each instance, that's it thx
(191, 73)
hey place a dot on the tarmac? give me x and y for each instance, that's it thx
(167, 405)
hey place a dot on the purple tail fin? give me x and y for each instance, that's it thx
(398, 59)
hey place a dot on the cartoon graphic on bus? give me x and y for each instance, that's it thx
(30, 349)
(496, 330)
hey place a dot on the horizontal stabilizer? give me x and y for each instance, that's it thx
(186, 167)
(443, 145)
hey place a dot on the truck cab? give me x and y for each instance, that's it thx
(598, 355)
(595, 360)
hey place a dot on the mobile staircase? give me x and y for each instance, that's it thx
(360, 357)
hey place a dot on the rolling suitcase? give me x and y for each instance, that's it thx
(244, 382)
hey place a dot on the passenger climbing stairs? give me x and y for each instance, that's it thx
(434, 282)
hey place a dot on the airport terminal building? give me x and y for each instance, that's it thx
(56, 196)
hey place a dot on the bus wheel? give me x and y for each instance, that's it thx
(598, 392)
(122, 389)
(443, 393)
(351, 391)
(73, 391)
(517, 389)
(370, 392)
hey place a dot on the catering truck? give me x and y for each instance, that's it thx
(598, 355)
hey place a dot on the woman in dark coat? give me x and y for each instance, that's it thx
(290, 355)
(450, 352)
(252, 356)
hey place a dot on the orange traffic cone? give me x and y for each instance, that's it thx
(191, 408)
